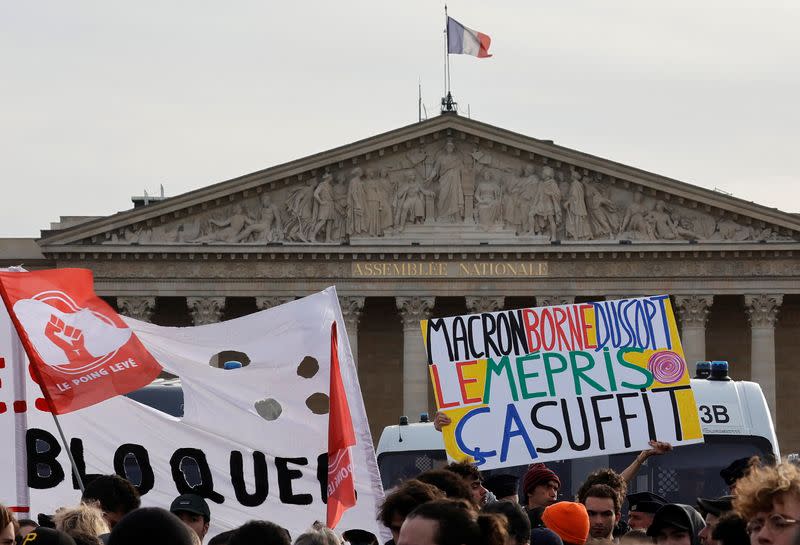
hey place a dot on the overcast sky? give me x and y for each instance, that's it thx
(101, 100)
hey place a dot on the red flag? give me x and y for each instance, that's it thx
(341, 436)
(81, 351)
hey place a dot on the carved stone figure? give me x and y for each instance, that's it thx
(268, 228)
(356, 204)
(635, 223)
(227, 229)
(340, 207)
(385, 197)
(529, 195)
(730, 230)
(137, 235)
(373, 207)
(602, 211)
(188, 230)
(488, 202)
(664, 227)
(448, 170)
(577, 221)
(547, 210)
(512, 209)
(410, 202)
(326, 208)
(300, 206)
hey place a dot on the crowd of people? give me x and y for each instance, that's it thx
(455, 505)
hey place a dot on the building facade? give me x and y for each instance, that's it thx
(445, 217)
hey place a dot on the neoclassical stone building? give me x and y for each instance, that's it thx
(443, 217)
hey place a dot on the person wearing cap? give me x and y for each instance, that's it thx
(735, 471)
(47, 536)
(642, 507)
(193, 510)
(540, 485)
(676, 524)
(713, 509)
(569, 520)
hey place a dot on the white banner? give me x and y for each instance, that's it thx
(255, 433)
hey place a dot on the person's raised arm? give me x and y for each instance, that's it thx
(657, 448)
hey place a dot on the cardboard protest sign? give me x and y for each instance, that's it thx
(253, 439)
(81, 351)
(553, 383)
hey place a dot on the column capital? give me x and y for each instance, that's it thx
(205, 310)
(351, 306)
(414, 309)
(762, 309)
(484, 303)
(137, 307)
(693, 309)
(269, 301)
(554, 300)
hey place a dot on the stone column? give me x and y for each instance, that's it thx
(264, 303)
(481, 303)
(351, 312)
(137, 307)
(554, 300)
(693, 316)
(415, 362)
(762, 312)
(205, 310)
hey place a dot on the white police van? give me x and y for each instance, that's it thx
(735, 420)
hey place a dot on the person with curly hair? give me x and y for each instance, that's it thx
(768, 498)
(467, 471)
(84, 523)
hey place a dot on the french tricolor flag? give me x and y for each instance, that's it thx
(465, 41)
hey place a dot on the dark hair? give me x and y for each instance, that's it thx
(114, 493)
(459, 525)
(222, 539)
(518, 524)
(603, 491)
(605, 476)
(140, 525)
(453, 486)
(731, 529)
(260, 531)
(27, 522)
(405, 498)
(464, 469)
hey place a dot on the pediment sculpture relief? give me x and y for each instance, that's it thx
(446, 183)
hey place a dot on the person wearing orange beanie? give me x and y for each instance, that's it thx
(569, 520)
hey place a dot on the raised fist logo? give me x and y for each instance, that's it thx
(66, 336)
(69, 339)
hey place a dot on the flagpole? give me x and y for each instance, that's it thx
(69, 452)
(447, 50)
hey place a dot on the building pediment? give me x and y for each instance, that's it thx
(446, 181)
